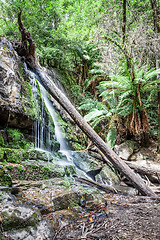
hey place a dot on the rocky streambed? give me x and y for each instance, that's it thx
(43, 201)
(38, 193)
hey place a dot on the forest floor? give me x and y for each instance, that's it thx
(118, 217)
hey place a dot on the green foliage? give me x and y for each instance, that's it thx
(1, 140)
(125, 89)
(5, 178)
(111, 136)
(17, 140)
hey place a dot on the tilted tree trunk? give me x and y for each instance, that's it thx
(93, 136)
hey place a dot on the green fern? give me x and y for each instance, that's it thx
(111, 136)
(95, 113)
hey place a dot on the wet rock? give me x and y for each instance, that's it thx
(107, 176)
(15, 215)
(85, 162)
(62, 217)
(43, 230)
(54, 194)
(126, 149)
(38, 155)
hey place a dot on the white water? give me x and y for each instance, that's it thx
(40, 127)
(58, 131)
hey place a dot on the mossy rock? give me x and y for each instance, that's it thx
(65, 200)
(33, 170)
(5, 178)
(37, 155)
(18, 217)
(10, 155)
(70, 170)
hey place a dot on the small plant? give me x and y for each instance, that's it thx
(17, 140)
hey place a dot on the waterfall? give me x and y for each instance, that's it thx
(58, 130)
(40, 126)
(42, 136)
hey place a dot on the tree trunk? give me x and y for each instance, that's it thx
(155, 12)
(92, 135)
(152, 171)
(124, 21)
(26, 48)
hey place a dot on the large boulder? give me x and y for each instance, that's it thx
(126, 149)
(22, 222)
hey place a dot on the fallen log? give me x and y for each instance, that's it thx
(118, 163)
(100, 186)
(152, 171)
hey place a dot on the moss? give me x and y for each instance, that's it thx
(12, 155)
(5, 178)
(70, 170)
(1, 140)
(21, 168)
(12, 221)
(65, 183)
(25, 155)
(10, 167)
(45, 172)
(38, 88)
(2, 155)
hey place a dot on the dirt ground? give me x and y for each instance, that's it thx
(118, 217)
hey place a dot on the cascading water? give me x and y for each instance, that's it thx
(58, 131)
(40, 126)
(43, 138)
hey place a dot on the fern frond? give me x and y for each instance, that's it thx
(91, 79)
(152, 74)
(94, 114)
(111, 136)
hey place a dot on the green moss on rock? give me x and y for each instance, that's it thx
(5, 178)
(12, 155)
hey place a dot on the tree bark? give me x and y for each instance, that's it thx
(155, 12)
(96, 184)
(124, 21)
(92, 135)
(152, 171)
(26, 48)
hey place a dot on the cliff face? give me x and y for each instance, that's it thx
(16, 100)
